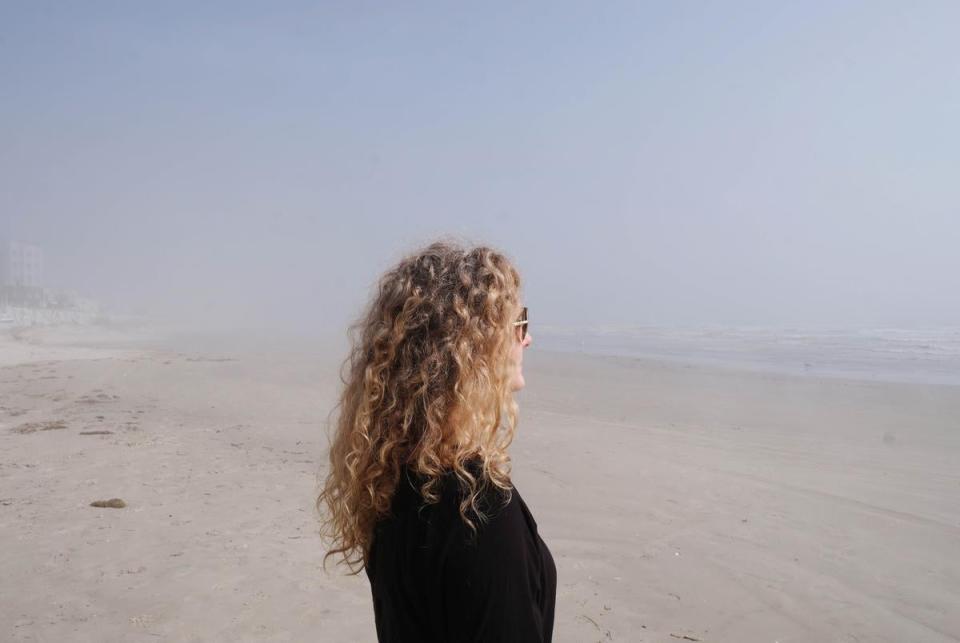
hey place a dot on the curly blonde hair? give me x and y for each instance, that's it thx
(427, 386)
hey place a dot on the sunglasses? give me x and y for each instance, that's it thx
(521, 324)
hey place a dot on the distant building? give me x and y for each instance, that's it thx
(23, 299)
(21, 265)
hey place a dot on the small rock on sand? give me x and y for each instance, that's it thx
(113, 503)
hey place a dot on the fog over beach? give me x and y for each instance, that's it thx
(736, 227)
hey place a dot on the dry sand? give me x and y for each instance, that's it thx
(680, 502)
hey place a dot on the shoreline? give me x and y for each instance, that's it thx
(142, 336)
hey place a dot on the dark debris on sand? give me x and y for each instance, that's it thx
(33, 427)
(113, 503)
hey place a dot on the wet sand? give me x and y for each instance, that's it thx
(678, 501)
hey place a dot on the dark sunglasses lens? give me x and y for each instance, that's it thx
(523, 327)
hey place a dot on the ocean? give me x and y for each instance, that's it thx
(930, 356)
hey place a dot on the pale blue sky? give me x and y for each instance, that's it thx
(669, 163)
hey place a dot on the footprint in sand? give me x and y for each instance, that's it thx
(99, 398)
(33, 427)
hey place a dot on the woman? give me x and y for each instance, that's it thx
(419, 492)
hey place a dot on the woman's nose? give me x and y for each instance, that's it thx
(527, 340)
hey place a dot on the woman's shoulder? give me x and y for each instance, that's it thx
(451, 491)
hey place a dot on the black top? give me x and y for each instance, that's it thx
(434, 580)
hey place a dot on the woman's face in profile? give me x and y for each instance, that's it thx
(516, 356)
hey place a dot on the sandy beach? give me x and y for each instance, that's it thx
(681, 503)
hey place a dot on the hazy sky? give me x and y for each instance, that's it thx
(651, 163)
